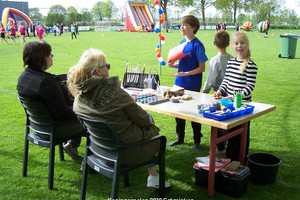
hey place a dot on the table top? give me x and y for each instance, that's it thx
(188, 110)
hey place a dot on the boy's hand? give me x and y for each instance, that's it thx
(171, 64)
(179, 74)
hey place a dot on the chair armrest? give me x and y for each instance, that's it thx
(161, 138)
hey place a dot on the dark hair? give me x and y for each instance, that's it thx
(35, 53)
(191, 20)
(222, 39)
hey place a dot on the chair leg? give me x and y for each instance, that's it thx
(25, 157)
(51, 165)
(162, 176)
(115, 182)
(126, 179)
(84, 178)
(61, 152)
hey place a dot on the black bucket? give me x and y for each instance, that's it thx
(263, 167)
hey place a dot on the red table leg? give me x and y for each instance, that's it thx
(212, 153)
(244, 133)
(212, 161)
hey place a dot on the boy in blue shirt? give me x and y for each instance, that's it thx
(189, 74)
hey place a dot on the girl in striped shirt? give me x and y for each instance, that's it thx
(241, 71)
(240, 76)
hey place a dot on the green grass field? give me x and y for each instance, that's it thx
(276, 133)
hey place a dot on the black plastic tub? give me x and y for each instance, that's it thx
(263, 167)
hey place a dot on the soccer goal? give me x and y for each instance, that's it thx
(102, 26)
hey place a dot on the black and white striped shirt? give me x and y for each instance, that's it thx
(235, 81)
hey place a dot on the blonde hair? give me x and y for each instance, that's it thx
(247, 59)
(84, 69)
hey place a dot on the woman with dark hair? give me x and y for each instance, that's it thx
(37, 85)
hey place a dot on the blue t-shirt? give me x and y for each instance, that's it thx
(195, 51)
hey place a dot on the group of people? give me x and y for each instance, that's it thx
(12, 30)
(226, 75)
(60, 29)
(39, 30)
(98, 95)
(221, 26)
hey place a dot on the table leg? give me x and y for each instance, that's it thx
(244, 133)
(212, 161)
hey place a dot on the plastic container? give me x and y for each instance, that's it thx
(288, 45)
(220, 116)
(263, 167)
(234, 185)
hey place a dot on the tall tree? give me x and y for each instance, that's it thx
(232, 6)
(97, 11)
(164, 5)
(34, 13)
(104, 10)
(120, 12)
(110, 9)
(264, 9)
(72, 15)
(200, 6)
(86, 16)
(56, 15)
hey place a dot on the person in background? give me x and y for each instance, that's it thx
(73, 33)
(76, 28)
(224, 26)
(189, 74)
(267, 27)
(37, 85)
(99, 96)
(33, 29)
(23, 32)
(218, 27)
(240, 76)
(54, 30)
(2, 32)
(40, 31)
(61, 31)
(217, 68)
(237, 27)
(28, 30)
(12, 31)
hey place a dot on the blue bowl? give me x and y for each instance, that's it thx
(225, 101)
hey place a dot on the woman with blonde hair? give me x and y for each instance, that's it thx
(99, 96)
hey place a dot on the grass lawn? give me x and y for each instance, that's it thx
(276, 133)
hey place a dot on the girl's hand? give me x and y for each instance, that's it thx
(217, 95)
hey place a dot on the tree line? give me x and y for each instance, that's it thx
(230, 11)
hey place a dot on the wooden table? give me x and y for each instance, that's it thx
(188, 110)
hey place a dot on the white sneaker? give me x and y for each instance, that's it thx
(153, 182)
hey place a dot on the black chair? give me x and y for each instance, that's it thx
(104, 154)
(39, 131)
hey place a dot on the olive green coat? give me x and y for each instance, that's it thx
(102, 98)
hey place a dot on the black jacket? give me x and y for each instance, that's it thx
(46, 88)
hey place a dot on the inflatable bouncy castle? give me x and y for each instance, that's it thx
(138, 17)
(9, 14)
